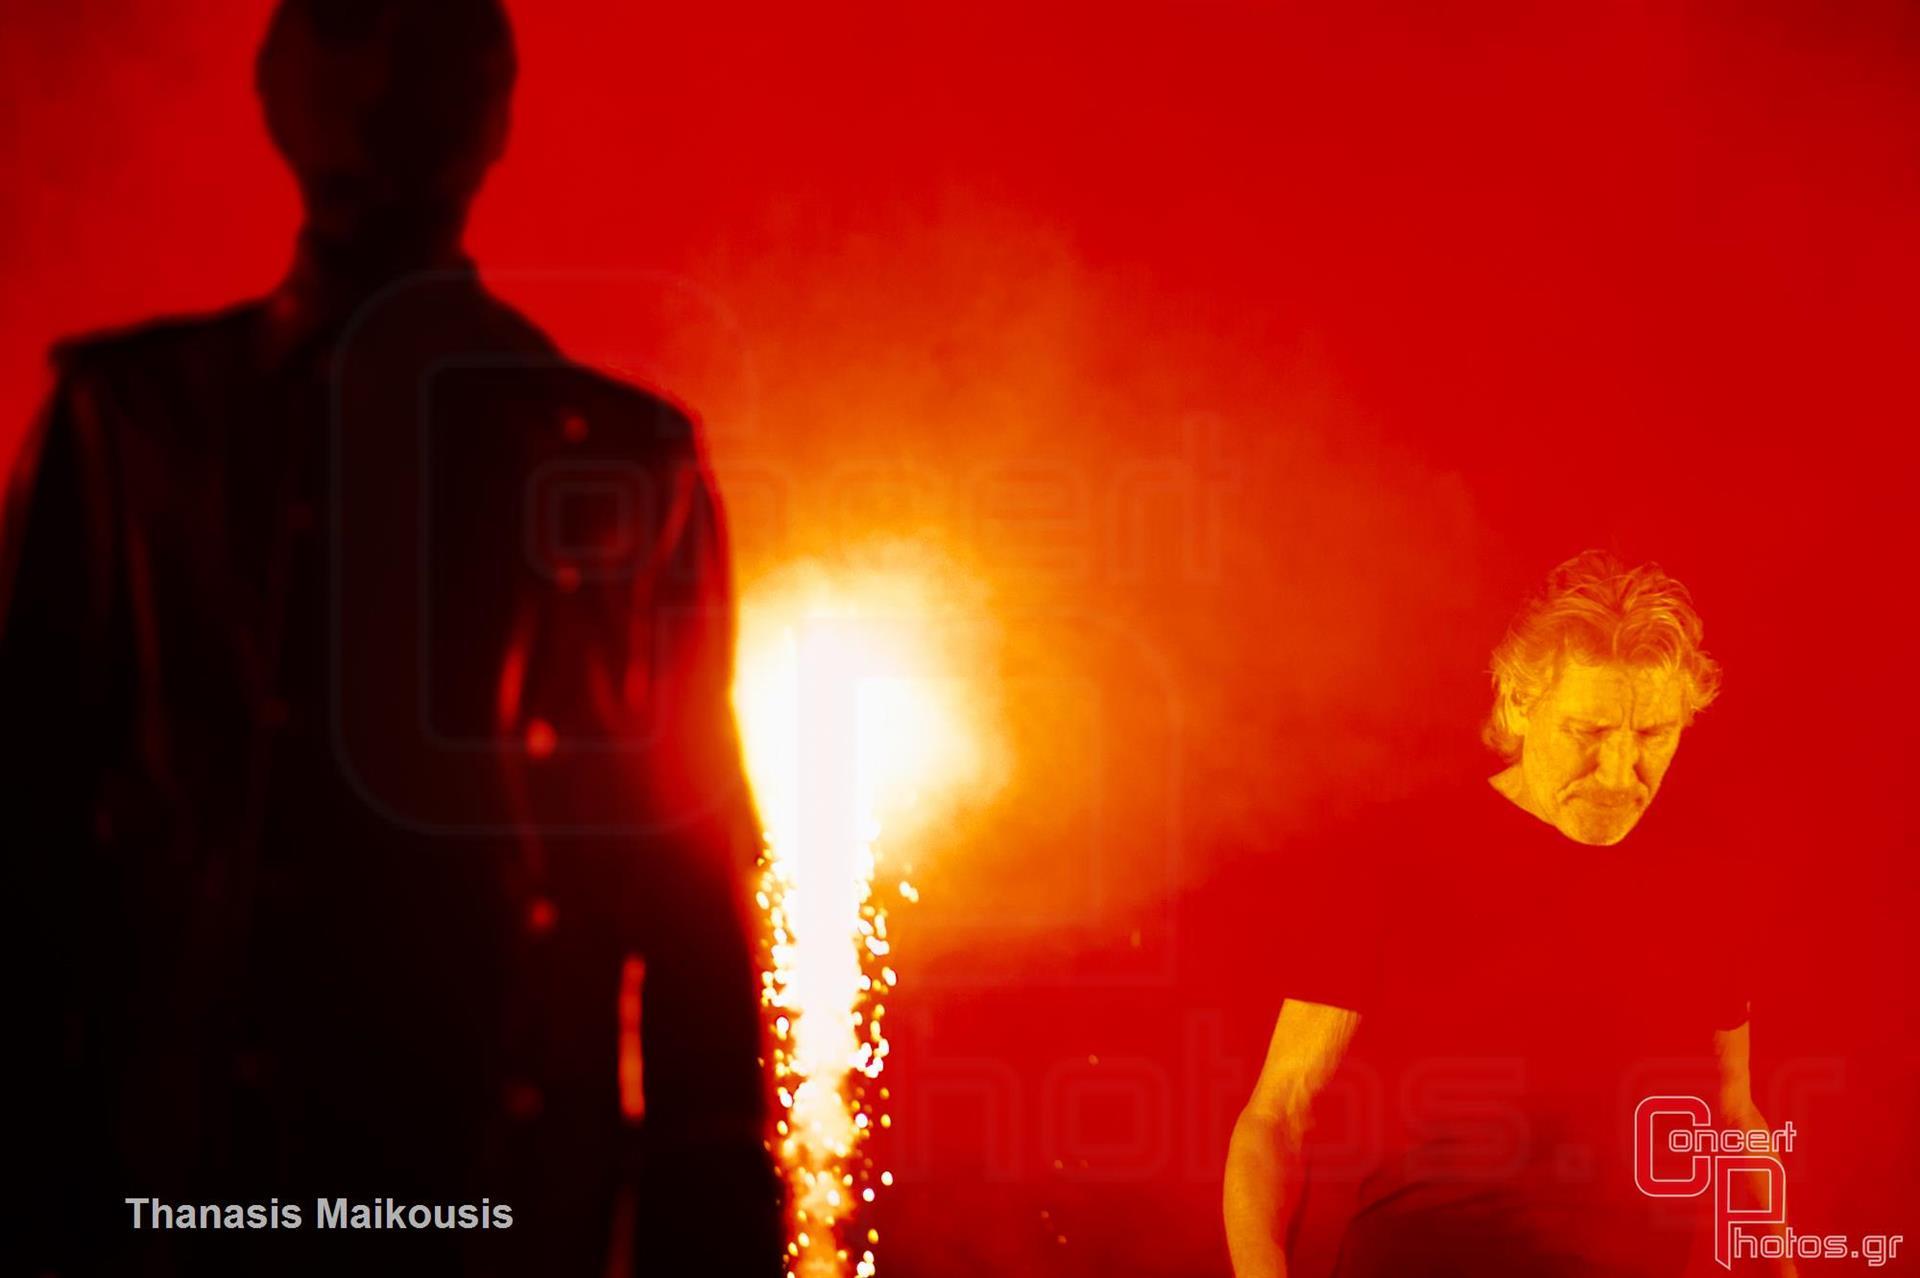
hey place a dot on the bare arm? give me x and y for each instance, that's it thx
(1732, 1048)
(1264, 1165)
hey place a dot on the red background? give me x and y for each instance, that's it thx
(1256, 358)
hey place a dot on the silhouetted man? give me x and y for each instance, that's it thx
(1517, 966)
(365, 671)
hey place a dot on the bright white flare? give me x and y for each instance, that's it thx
(851, 722)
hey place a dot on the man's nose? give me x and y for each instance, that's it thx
(1619, 759)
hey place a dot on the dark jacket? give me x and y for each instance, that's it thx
(364, 670)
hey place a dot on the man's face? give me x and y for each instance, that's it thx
(1596, 745)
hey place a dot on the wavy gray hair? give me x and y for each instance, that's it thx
(1595, 607)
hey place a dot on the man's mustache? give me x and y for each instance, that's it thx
(1606, 798)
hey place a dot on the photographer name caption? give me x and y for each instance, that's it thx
(328, 1213)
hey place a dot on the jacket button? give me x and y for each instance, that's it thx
(522, 1101)
(542, 914)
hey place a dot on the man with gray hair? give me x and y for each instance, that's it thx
(1593, 684)
(1500, 989)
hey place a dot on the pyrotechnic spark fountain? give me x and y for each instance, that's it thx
(849, 729)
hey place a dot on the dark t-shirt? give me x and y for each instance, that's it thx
(1519, 993)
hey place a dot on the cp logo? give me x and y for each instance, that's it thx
(1682, 1125)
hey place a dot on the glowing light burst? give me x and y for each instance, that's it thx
(851, 728)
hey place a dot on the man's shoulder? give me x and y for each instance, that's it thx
(595, 411)
(167, 342)
(1442, 817)
(562, 414)
(611, 411)
(153, 386)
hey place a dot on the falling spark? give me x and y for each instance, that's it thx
(848, 726)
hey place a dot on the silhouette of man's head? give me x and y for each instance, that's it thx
(388, 111)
